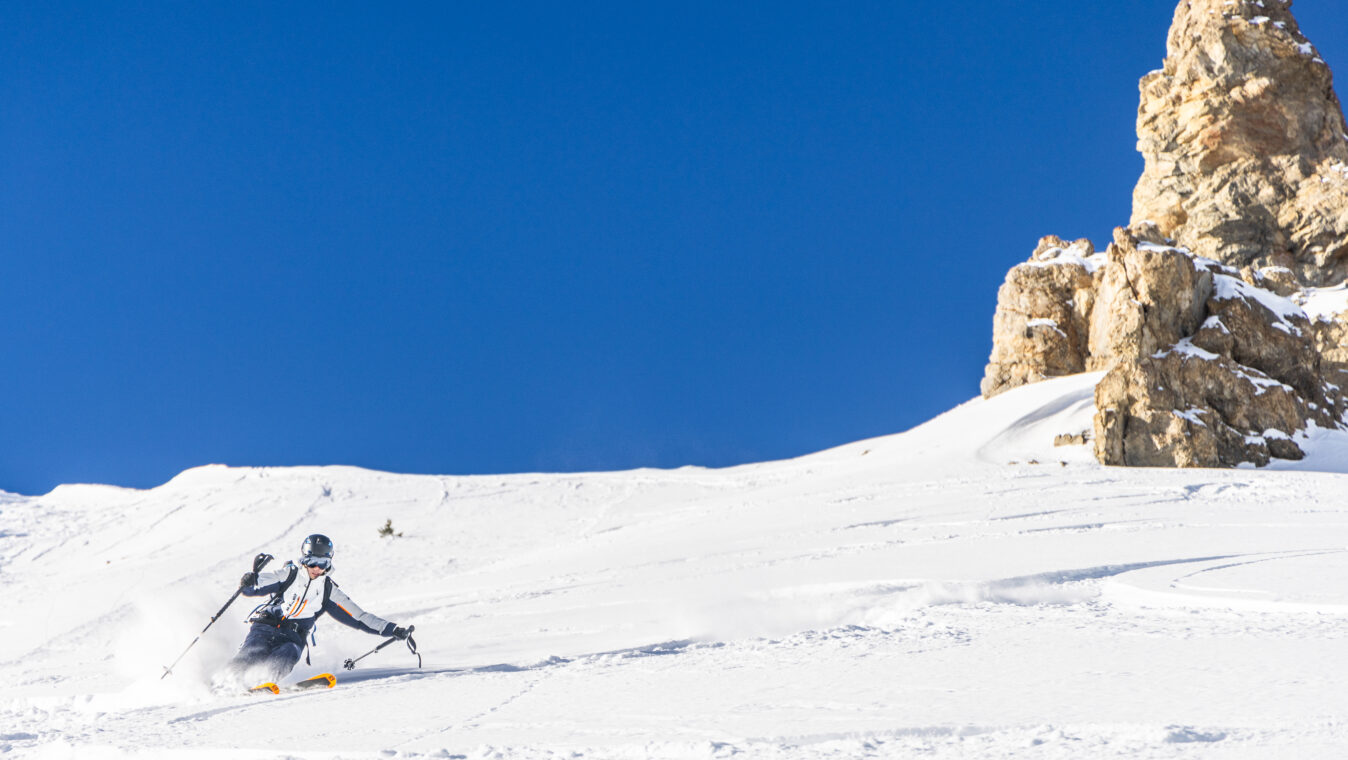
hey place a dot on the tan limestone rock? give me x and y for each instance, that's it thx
(1237, 388)
(1040, 329)
(1190, 408)
(1246, 156)
(1280, 280)
(1151, 295)
(1261, 330)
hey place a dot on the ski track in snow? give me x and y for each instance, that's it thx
(962, 590)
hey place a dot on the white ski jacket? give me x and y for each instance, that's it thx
(297, 602)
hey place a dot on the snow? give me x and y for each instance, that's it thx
(1226, 287)
(1215, 322)
(1325, 303)
(1192, 414)
(1045, 322)
(1074, 255)
(1186, 347)
(1259, 380)
(961, 590)
(1149, 246)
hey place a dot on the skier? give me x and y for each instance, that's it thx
(279, 626)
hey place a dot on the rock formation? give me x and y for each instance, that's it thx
(1207, 312)
(1043, 315)
(1244, 142)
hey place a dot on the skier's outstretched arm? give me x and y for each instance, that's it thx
(268, 583)
(347, 612)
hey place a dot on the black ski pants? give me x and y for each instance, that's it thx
(268, 652)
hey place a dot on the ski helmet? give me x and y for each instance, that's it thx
(317, 546)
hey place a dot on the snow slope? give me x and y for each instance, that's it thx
(964, 589)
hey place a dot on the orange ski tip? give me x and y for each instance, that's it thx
(271, 687)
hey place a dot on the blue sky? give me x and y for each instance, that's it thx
(505, 237)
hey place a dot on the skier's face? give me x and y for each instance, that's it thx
(314, 572)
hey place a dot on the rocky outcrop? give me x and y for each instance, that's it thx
(1213, 314)
(1069, 309)
(1243, 138)
(1237, 389)
(1042, 324)
(1151, 295)
(1190, 408)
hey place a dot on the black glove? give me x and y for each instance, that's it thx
(400, 633)
(248, 579)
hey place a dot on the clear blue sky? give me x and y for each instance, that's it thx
(504, 237)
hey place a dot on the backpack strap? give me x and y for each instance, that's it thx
(279, 596)
(328, 583)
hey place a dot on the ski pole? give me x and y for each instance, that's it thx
(259, 562)
(351, 664)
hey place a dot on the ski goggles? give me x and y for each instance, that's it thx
(323, 563)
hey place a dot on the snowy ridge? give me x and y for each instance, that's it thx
(965, 589)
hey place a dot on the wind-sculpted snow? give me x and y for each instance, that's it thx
(964, 590)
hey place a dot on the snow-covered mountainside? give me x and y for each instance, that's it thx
(964, 589)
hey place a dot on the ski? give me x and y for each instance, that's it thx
(325, 680)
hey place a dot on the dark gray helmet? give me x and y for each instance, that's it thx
(317, 545)
(317, 552)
